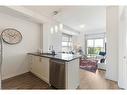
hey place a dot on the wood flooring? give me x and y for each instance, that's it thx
(88, 80)
(24, 81)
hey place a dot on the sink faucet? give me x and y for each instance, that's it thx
(52, 50)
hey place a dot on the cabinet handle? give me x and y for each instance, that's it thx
(55, 61)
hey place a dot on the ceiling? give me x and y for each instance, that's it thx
(93, 18)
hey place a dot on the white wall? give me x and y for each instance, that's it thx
(49, 39)
(122, 79)
(45, 36)
(81, 40)
(112, 43)
(15, 61)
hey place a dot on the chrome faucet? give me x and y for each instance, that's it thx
(53, 51)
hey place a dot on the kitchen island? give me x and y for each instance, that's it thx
(60, 70)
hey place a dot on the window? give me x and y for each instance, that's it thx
(66, 43)
(94, 46)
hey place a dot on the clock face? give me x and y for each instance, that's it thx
(11, 36)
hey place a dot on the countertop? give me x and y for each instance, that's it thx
(58, 56)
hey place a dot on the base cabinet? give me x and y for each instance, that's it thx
(63, 75)
(40, 67)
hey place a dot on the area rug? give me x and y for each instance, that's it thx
(89, 65)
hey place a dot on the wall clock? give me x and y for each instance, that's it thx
(11, 36)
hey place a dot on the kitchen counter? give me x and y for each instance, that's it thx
(60, 70)
(58, 56)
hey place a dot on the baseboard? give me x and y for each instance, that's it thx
(111, 80)
(13, 75)
(41, 77)
(106, 77)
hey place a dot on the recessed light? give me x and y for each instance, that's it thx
(82, 26)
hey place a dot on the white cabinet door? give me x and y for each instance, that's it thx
(35, 65)
(40, 67)
(44, 68)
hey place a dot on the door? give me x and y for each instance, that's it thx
(35, 65)
(44, 68)
(122, 80)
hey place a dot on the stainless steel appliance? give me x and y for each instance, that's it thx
(57, 73)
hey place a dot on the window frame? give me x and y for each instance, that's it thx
(94, 45)
(69, 40)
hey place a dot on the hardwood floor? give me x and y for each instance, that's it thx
(88, 80)
(24, 81)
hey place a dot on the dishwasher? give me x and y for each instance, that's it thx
(57, 73)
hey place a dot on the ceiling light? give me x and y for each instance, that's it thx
(61, 26)
(56, 28)
(51, 30)
(82, 26)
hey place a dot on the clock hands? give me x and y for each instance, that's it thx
(11, 35)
